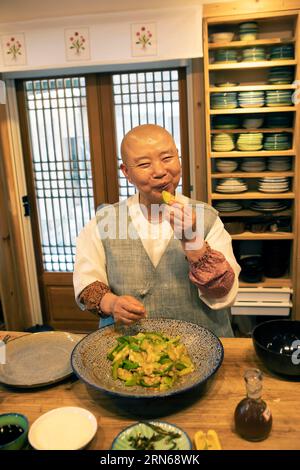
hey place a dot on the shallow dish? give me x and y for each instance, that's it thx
(122, 442)
(91, 365)
(38, 359)
(66, 428)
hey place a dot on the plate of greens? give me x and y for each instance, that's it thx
(152, 435)
(152, 358)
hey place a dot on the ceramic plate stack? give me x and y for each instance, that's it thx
(251, 99)
(228, 206)
(250, 142)
(224, 100)
(281, 75)
(279, 120)
(226, 121)
(268, 206)
(225, 55)
(277, 141)
(279, 164)
(282, 52)
(231, 185)
(279, 97)
(248, 31)
(254, 54)
(274, 185)
(226, 166)
(253, 165)
(223, 142)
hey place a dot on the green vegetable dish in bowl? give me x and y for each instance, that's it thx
(150, 360)
(152, 435)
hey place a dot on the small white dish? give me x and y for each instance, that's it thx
(66, 428)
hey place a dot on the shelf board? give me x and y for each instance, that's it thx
(251, 213)
(255, 42)
(244, 174)
(247, 131)
(259, 153)
(250, 87)
(253, 195)
(263, 109)
(269, 282)
(252, 65)
(263, 236)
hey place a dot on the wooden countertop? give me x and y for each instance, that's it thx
(213, 410)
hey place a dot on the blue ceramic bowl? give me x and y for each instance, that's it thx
(277, 344)
(8, 420)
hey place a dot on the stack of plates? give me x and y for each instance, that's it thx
(253, 165)
(276, 184)
(251, 99)
(277, 141)
(226, 121)
(279, 97)
(223, 142)
(279, 120)
(282, 52)
(228, 206)
(226, 166)
(248, 31)
(281, 75)
(254, 54)
(224, 100)
(231, 185)
(279, 164)
(225, 55)
(250, 142)
(268, 206)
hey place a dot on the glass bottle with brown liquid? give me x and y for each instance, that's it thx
(253, 418)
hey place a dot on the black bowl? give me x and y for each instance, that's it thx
(277, 344)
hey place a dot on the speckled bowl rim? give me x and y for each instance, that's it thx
(156, 396)
(156, 423)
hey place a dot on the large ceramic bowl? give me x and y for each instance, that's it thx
(277, 344)
(91, 365)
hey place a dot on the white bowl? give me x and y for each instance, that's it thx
(222, 37)
(66, 428)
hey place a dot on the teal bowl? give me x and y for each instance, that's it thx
(10, 423)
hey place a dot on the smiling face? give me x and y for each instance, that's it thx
(150, 162)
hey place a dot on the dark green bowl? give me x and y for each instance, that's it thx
(19, 420)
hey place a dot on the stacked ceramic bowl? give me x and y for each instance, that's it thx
(268, 206)
(250, 142)
(279, 120)
(253, 54)
(226, 166)
(228, 206)
(276, 184)
(231, 185)
(281, 75)
(253, 122)
(226, 121)
(226, 84)
(251, 99)
(223, 142)
(278, 141)
(248, 31)
(224, 100)
(279, 164)
(282, 52)
(225, 55)
(222, 37)
(253, 165)
(279, 97)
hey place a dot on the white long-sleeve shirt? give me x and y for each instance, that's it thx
(90, 261)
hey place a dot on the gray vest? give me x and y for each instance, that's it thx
(165, 291)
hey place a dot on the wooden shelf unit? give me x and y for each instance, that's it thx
(280, 28)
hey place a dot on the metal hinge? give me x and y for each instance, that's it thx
(26, 205)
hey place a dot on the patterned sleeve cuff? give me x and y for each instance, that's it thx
(92, 295)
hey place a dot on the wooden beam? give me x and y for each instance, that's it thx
(251, 7)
